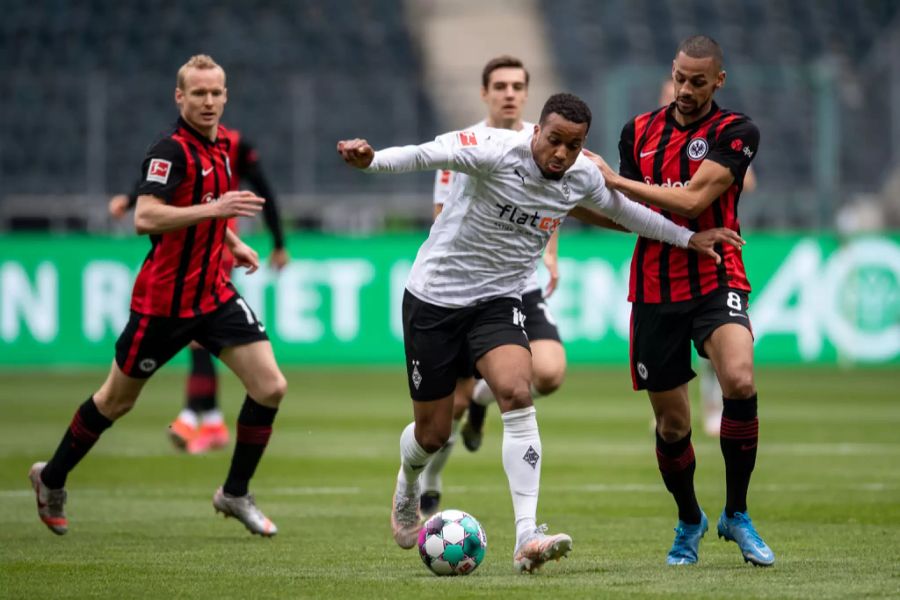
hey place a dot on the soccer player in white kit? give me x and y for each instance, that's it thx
(463, 296)
(504, 90)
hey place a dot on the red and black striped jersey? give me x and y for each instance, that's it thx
(655, 149)
(245, 167)
(183, 274)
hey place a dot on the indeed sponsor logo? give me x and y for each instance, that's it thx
(514, 215)
(668, 183)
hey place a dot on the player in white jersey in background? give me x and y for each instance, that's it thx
(504, 91)
(463, 296)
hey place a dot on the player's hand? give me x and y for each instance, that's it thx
(704, 241)
(357, 153)
(278, 258)
(245, 256)
(609, 175)
(238, 204)
(551, 261)
(118, 206)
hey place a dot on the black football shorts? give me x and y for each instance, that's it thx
(661, 335)
(148, 342)
(539, 323)
(442, 343)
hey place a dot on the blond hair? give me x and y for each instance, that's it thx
(198, 61)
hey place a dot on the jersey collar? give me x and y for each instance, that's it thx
(182, 124)
(713, 110)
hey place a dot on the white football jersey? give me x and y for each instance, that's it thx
(449, 186)
(485, 244)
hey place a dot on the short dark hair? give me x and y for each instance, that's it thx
(502, 62)
(568, 106)
(702, 46)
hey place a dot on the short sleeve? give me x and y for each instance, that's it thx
(627, 165)
(735, 147)
(163, 170)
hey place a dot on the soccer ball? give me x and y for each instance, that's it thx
(452, 543)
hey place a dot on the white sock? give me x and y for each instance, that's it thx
(482, 394)
(431, 475)
(413, 459)
(188, 416)
(522, 463)
(212, 417)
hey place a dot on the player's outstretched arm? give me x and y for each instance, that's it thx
(592, 217)
(457, 151)
(708, 183)
(153, 215)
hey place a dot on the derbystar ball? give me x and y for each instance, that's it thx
(452, 542)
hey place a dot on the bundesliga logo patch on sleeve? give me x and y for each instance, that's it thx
(159, 170)
(467, 138)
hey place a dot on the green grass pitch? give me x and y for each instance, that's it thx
(825, 496)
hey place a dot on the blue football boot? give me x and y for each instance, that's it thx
(739, 529)
(687, 542)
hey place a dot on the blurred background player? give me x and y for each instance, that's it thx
(504, 91)
(200, 426)
(678, 297)
(183, 292)
(710, 390)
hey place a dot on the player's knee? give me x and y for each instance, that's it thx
(738, 385)
(434, 440)
(513, 394)
(672, 429)
(270, 391)
(548, 381)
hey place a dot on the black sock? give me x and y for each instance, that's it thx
(676, 464)
(476, 416)
(738, 438)
(254, 427)
(202, 384)
(83, 431)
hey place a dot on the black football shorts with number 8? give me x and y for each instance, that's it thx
(661, 335)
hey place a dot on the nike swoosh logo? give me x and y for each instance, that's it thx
(207, 171)
(643, 154)
(748, 446)
(261, 326)
(731, 313)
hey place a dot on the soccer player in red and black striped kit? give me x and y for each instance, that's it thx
(183, 293)
(200, 426)
(687, 160)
